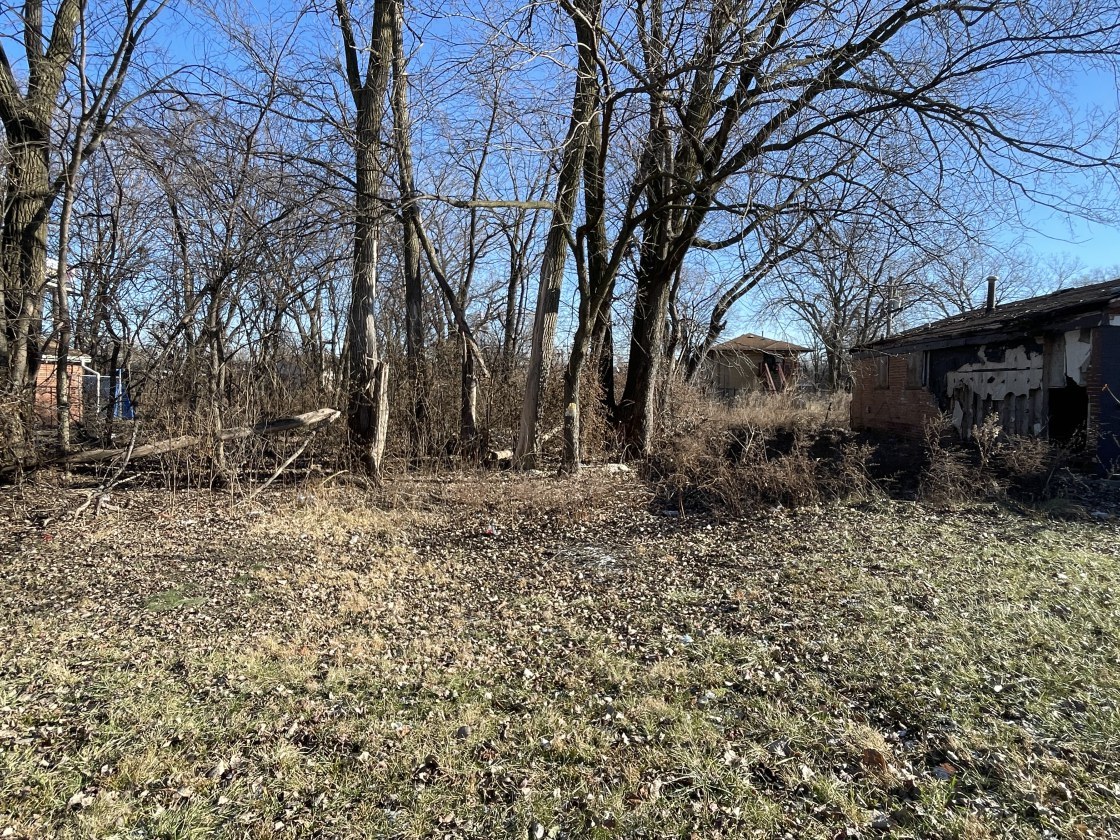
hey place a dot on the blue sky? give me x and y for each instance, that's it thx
(1096, 246)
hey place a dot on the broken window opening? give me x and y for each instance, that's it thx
(917, 369)
(1068, 414)
(883, 372)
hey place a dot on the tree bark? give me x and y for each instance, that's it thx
(602, 351)
(62, 321)
(638, 407)
(23, 253)
(410, 246)
(595, 281)
(367, 404)
(552, 266)
(468, 402)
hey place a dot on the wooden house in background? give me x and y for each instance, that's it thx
(1048, 366)
(751, 363)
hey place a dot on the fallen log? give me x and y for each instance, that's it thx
(550, 434)
(500, 458)
(309, 420)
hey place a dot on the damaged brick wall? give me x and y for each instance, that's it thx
(901, 407)
(46, 401)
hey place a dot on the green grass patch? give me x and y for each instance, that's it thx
(173, 599)
(889, 671)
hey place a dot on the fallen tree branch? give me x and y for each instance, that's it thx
(551, 433)
(111, 481)
(279, 470)
(266, 427)
(309, 420)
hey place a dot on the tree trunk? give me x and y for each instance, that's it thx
(573, 442)
(368, 373)
(116, 387)
(573, 445)
(573, 450)
(602, 351)
(468, 411)
(23, 256)
(678, 332)
(62, 341)
(511, 315)
(410, 246)
(214, 391)
(552, 265)
(595, 281)
(638, 408)
(832, 363)
(62, 285)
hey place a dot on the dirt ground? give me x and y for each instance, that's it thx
(529, 657)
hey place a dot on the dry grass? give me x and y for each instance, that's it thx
(379, 665)
(792, 410)
(688, 410)
(759, 452)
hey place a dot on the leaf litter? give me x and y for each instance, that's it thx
(508, 656)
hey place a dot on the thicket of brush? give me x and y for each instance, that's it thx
(178, 401)
(796, 449)
(790, 449)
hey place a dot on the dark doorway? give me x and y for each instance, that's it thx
(1069, 413)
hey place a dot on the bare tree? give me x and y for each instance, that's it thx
(367, 411)
(116, 226)
(99, 106)
(584, 102)
(954, 281)
(846, 286)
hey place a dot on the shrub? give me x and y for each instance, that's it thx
(767, 449)
(948, 476)
(998, 465)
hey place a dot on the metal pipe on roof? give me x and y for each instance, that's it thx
(992, 280)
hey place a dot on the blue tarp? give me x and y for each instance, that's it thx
(122, 403)
(118, 400)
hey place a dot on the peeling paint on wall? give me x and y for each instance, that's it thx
(1007, 381)
(1016, 374)
(1078, 350)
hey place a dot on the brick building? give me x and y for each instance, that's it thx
(46, 388)
(1048, 366)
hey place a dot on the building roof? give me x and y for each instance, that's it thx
(71, 358)
(758, 343)
(1008, 320)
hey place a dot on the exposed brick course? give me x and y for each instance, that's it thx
(898, 409)
(45, 390)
